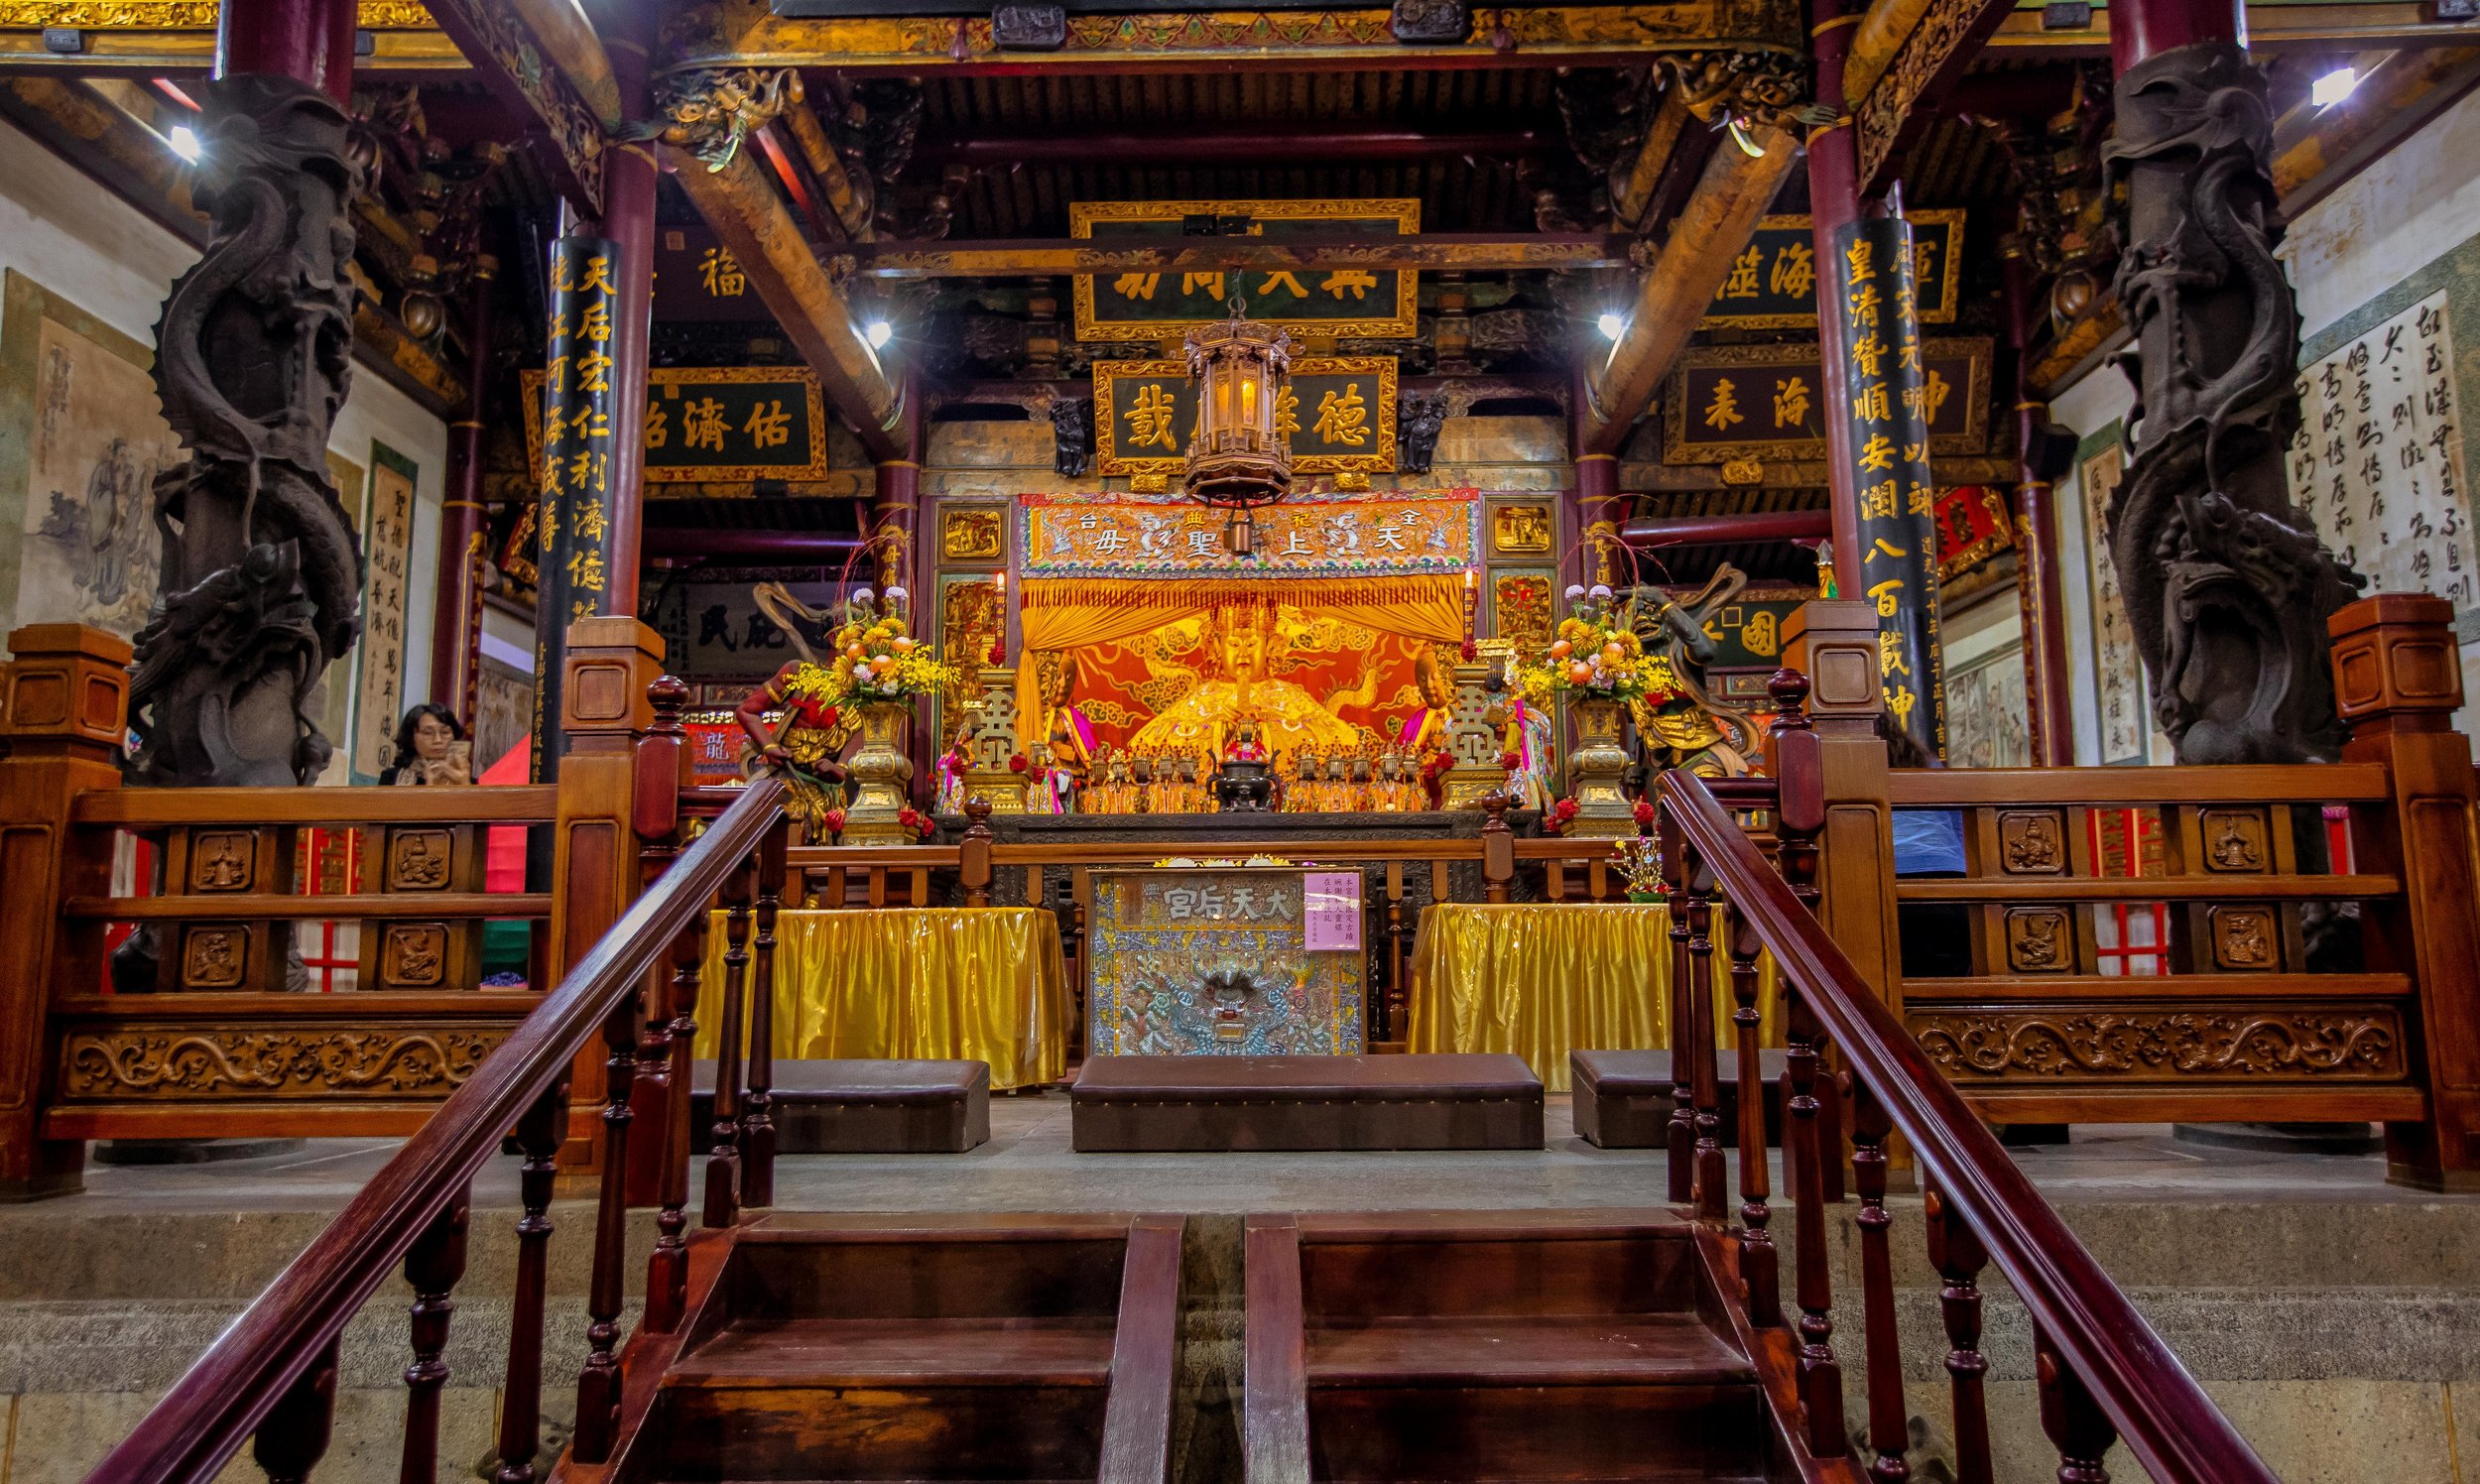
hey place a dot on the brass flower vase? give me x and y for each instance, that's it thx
(878, 768)
(1596, 771)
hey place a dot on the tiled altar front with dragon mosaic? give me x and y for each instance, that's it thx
(1213, 961)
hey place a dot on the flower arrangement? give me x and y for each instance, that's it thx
(1593, 653)
(1645, 814)
(875, 659)
(1554, 820)
(917, 822)
(1640, 862)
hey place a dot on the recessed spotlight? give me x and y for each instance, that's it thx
(184, 142)
(880, 332)
(1612, 325)
(2333, 87)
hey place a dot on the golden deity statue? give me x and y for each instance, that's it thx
(1239, 643)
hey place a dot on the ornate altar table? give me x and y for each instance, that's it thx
(983, 984)
(1218, 959)
(1542, 979)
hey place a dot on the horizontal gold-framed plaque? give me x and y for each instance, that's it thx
(1767, 402)
(1340, 407)
(1773, 282)
(716, 424)
(1137, 306)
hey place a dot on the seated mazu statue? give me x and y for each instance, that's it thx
(1680, 722)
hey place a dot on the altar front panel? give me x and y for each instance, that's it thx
(1214, 961)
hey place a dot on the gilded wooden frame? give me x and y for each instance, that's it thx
(1082, 215)
(658, 377)
(1975, 440)
(1108, 374)
(1936, 308)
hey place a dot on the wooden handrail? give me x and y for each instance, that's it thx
(526, 804)
(202, 1421)
(2304, 783)
(270, 906)
(2169, 1425)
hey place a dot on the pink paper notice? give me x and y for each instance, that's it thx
(1333, 915)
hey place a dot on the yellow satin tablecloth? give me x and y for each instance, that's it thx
(973, 983)
(1542, 979)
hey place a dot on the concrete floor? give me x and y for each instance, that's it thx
(1028, 1167)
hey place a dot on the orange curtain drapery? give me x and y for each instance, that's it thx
(1062, 614)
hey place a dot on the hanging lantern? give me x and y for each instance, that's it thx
(1239, 458)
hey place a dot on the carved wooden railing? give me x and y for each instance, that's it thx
(274, 1370)
(2298, 986)
(2104, 1375)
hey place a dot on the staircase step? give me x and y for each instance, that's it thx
(1435, 1431)
(1560, 1350)
(948, 1428)
(1422, 1264)
(761, 1352)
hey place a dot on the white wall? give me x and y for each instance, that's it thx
(69, 234)
(2410, 206)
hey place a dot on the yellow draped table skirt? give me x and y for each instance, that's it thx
(1542, 979)
(964, 984)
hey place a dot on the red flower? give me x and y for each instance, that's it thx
(1644, 813)
(1470, 650)
(833, 819)
(1510, 760)
(928, 827)
(908, 817)
(1018, 763)
(826, 716)
(1439, 763)
(998, 654)
(1566, 810)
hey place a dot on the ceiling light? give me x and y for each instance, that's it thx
(184, 142)
(1612, 325)
(880, 332)
(2333, 87)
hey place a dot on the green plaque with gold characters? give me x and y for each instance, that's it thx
(721, 424)
(1773, 282)
(1338, 411)
(1137, 306)
(1765, 401)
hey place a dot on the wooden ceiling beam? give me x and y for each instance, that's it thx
(1473, 252)
(2275, 28)
(752, 221)
(1257, 145)
(1731, 194)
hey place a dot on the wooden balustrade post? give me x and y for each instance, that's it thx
(723, 1154)
(1705, 1079)
(1679, 1135)
(433, 1269)
(667, 1268)
(2398, 682)
(1956, 1251)
(662, 771)
(758, 1112)
(2078, 1427)
(521, 1390)
(1834, 644)
(599, 1384)
(605, 709)
(1498, 848)
(296, 1432)
(63, 712)
(1820, 1375)
(1760, 1266)
(973, 853)
(1889, 1425)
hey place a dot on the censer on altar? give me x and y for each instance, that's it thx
(1238, 460)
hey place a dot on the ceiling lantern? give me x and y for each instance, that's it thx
(1240, 455)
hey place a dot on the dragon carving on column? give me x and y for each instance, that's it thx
(262, 571)
(2226, 586)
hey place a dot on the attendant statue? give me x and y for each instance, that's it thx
(808, 734)
(951, 766)
(1680, 721)
(430, 748)
(1525, 734)
(1239, 646)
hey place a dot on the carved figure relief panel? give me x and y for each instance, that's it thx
(216, 956)
(2245, 940)
(2039, 940)
(2233, 840)
(418, 860)
(220, 860)
(2032, 842)
(414, 955)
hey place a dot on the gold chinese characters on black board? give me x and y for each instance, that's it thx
(1773, 284)
(1338, 411)
(1142, 305)
(697, 279)
(721, 424)
(1763, 402)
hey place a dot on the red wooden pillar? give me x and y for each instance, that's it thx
(456, 623)
(2040, 593)
(1835, 203)
(309, 41)
(897, 523)
(1595, 507)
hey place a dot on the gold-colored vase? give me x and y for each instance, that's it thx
(1596, 770)
(877, 767)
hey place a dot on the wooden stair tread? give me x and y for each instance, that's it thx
(813, 1352)
(1627, 1349)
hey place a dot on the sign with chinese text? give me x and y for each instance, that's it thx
(1762, 401)
(1338, 411)
(1384, 533)
(388, 546)
(569, 434)
(1748, 630)
(2377, 465)
(1210, 960)
(1334, 923)
(1974, 523)
(1314, 302)
(2117, 666)
(721, 424)
(1884, 380)
(1773, 284)
(716, 744)
(696, 277)
(714, 631)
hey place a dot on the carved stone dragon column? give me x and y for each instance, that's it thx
(262, 573)
(2226, 585)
